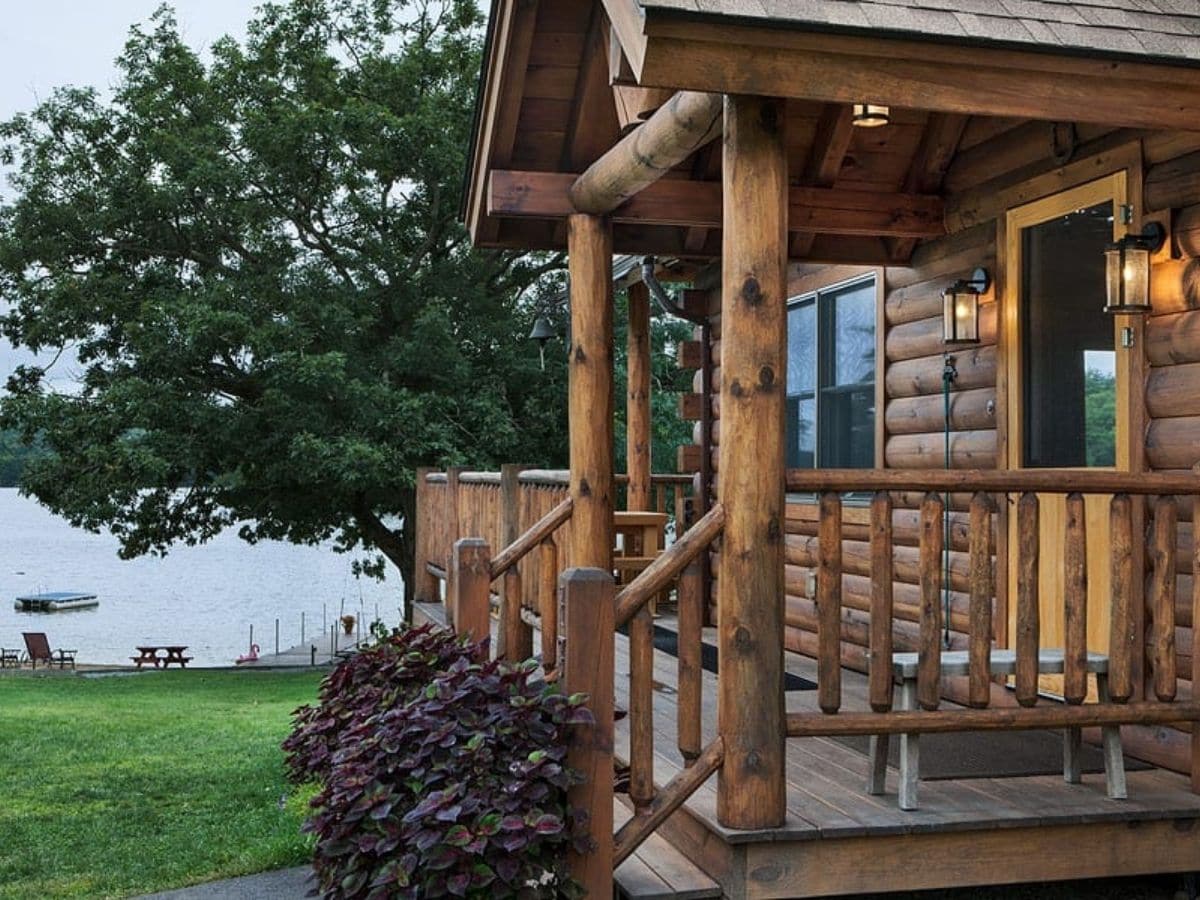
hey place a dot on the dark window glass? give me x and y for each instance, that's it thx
(1068, 355)
(831, 379)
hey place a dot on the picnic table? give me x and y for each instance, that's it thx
(170, 654)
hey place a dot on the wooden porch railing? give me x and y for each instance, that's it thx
(1160, 492)
(476, 506)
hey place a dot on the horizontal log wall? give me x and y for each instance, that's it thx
(1173, 384)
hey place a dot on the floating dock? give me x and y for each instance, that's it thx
(55, 601)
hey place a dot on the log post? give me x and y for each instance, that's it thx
(637, 418)
(751, 790)
(590, 243)
(471, 562)
(587, 668)
(425, 586)
(516, 638)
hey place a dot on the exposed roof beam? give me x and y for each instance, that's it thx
(666, 241)
(830, 143)
(971, 80)
(939, 143)
(692, 204)
(593, 126)
(685, 123)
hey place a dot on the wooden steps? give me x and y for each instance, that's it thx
(657, 871)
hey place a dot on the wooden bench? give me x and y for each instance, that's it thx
(1001, 663)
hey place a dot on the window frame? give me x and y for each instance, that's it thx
(826, 364)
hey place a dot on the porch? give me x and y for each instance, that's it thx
(955, 498)
(976, 825)
(839, 840)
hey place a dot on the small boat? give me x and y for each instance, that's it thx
(55, 601)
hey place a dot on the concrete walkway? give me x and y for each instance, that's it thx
(283, 884)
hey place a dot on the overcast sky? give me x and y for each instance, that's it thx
(46, 44)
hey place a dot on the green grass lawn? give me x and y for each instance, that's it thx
(117, 786)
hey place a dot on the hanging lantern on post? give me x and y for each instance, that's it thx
(960, 308)
(1127, 268)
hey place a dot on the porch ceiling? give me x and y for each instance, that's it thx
(549, 107)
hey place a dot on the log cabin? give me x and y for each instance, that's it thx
(943, 262)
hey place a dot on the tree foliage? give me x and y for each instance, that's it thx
(257, 262)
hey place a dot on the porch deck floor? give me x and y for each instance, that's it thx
(837, 839)
(827, 795)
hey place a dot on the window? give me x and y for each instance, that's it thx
(831, 378)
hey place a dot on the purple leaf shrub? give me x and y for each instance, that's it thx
(383, 676)
(456, 787)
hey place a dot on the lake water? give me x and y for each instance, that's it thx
(206, 597)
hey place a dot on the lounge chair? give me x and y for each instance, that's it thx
(38, 648)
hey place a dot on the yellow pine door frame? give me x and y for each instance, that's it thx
(1112, 189)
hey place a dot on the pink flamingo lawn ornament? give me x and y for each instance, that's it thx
(252, 656)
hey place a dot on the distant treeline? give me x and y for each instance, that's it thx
(13, 456)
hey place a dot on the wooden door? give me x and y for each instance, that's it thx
(1068, 382)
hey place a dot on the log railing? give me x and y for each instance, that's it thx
(520, 510)
(462, 514)
(681, 562)
(981, 493)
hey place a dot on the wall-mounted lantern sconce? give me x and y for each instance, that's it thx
(870, 115)
(1128, 270)
(542, 332)
(960, 308)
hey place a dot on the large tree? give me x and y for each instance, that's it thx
(256, 261)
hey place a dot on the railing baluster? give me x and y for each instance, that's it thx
(929, 659)
(1120, 650)
(1163, 598)
(641, 708)
(1195, 628)
(982, 590)
(1075, 584)
(691, 621)
(880, 661)
(829, 603)
(1029, 625)
(548, 602)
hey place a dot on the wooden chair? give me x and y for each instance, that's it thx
(1001, 663)
(639, 540)
(37, 647)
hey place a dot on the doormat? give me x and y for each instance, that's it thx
(667, 641)
(991, 754)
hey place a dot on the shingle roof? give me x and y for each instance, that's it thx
(1159, 28)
